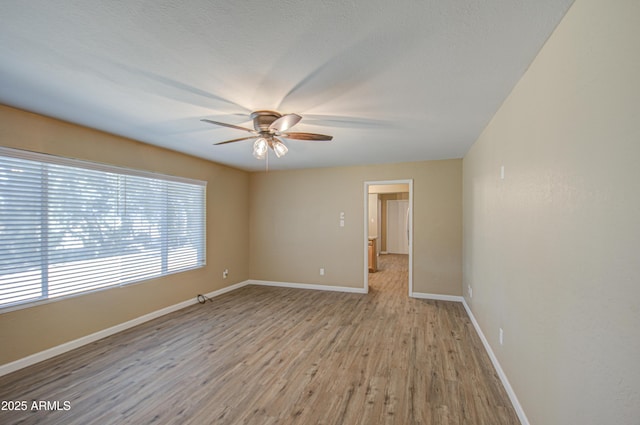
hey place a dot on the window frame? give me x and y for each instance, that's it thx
(82, 164)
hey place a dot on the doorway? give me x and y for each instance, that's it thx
(392, 231)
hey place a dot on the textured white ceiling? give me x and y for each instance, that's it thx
(392, 81)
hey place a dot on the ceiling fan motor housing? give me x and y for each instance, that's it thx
(263, 119)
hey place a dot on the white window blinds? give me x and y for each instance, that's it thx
(69, 226)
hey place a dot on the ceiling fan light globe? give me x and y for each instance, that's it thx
(260, 147)
(279, 148)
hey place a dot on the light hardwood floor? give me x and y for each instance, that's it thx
(264, 355)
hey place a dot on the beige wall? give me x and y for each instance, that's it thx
(30, 330)
(389, 188)
(551, 251)
(294, 223)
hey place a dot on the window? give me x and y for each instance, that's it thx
(70, 226)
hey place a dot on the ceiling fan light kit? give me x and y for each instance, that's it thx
(268, 126)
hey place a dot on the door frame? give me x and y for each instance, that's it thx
(366, 228)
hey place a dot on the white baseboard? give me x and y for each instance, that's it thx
(496, 364)
(438, 297)
(307, 286)
(68, 346)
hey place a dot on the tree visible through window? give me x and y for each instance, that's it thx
(69, 226)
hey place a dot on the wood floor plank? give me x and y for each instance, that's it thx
(265, 355)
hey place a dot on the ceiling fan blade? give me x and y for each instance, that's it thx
(235, 140)
(237, 127)
(285, 122)
(307, 136)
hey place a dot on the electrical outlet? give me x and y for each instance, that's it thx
(502, 172)
(321, 271)
(225, 273)
(470, 290)
(501, 336)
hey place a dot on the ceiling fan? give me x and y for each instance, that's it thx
(268, 126)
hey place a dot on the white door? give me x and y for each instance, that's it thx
(398, 227)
